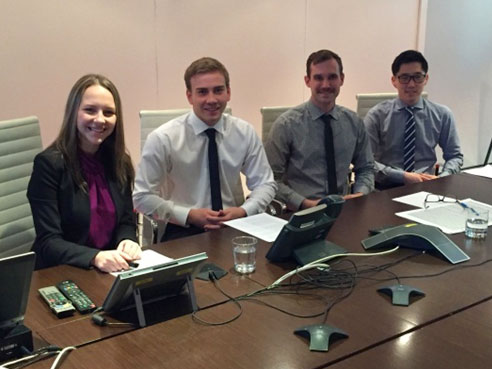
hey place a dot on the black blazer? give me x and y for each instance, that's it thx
(61, 214)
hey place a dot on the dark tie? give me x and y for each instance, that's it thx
(330, 156)
(213, 167)
(409, 142)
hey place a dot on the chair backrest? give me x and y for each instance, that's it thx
(20, 141)
(366, 101)
(268, 116)
(151, 119)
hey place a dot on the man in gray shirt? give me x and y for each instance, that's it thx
(405, 131)
(311, 146)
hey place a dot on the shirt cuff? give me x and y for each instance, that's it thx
(250, 208)
(396, 176)
(180, 215)
(295, 201)
(362, 188)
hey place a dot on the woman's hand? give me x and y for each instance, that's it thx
(130, 248)
(116, 260)
(111, 261)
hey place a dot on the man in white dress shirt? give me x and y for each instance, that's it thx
(175, 180)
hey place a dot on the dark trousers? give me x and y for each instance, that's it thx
(386, 186)
(174, 232)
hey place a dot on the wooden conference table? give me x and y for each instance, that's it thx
(263, 337)
(462, 340)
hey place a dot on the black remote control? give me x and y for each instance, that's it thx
(78, 298)
(58, 304)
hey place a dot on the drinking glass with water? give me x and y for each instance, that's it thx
(477, 222)
(244, 250)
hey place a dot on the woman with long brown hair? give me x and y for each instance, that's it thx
(80, 188)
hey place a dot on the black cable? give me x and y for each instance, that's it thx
(308, 280)
(453, 269)
(257, 300)
(337, 277)
(98, 318)
(336, 301)
(214, 280)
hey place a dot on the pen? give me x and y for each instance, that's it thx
(465, 206)
(436, 170)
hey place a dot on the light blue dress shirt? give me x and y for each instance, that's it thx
(434, 125)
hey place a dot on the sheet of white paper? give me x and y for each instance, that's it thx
(149, 258)
(450, 218)
(263, 226)
(414, 199)
(485, 171)
(417, 199)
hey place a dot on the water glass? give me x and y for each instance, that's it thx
(477, 223)
(244, 250)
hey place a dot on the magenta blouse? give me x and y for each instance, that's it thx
(103, 214)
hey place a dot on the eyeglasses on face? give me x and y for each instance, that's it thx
(406, 78)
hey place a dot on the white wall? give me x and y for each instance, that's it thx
(144, 47)
(458, 47)
(47, 45)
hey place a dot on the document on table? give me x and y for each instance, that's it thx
(449, 217)
(263, 226)
(485, 171)
(148, 258)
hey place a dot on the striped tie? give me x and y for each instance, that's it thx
(409, 142)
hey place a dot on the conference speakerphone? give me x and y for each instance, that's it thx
(417, 236)
(303, 238)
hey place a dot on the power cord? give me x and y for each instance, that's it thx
(320, 275)
(253, 296)
(99, 319)
(35, 356)
(320, 263)
(421, 276)
(214, 279)
(62, 356)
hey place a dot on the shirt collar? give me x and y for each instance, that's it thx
(400, 105)
(199, 126)
(317, 113)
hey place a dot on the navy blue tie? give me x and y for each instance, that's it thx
(213, 167)
(409, 142)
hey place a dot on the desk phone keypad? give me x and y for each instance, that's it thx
(78, 298)
(58, 303)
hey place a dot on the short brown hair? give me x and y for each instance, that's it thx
(205, 65)
(321, 56)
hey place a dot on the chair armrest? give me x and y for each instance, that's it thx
(276, 208)
(149, 230)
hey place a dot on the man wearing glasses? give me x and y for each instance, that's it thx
(405, 131)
